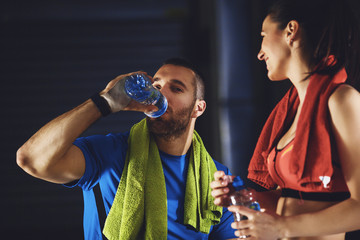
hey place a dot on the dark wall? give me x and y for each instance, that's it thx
(55, 54)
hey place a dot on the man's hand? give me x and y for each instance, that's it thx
(118, 100)
(221, 189)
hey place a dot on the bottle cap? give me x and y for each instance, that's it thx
(238, 183)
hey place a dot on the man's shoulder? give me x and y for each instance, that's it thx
(108, 142)
(105, 138)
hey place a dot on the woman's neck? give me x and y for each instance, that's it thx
(298, 75)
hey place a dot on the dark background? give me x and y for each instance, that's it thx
(55, 54)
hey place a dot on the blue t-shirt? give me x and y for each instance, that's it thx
(105, 157)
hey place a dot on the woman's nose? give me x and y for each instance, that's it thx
(260, 55)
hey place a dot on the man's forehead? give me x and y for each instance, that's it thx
(176, 74)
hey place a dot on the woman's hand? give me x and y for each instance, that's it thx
(259, 225)
(221, 188)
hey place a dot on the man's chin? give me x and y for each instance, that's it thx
(169, 125)
(156, 124)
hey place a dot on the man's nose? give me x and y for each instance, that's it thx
(163, 90)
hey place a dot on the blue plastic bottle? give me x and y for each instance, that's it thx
(242, 197)
(140, 88)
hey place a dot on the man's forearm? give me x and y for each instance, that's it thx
(51, 143)
(50, 154)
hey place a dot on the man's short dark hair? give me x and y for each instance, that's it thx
(198, 83)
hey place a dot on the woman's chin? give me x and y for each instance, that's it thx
(274, 77)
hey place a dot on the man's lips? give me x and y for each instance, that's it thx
(164, 114)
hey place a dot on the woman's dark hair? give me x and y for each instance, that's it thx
(329, 27)
(198, 83)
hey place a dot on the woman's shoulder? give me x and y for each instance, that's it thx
(344, 107)
(344, 96)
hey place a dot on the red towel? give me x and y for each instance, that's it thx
(312, 155)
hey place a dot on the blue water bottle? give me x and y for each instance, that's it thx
(242, 197)
(139, 87)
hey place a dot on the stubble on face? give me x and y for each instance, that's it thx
(174, 126)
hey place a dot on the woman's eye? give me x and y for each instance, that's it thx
(157, 87)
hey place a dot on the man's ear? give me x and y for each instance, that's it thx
(292, 32)
(199, 108)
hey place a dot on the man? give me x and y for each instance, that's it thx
(154, 180)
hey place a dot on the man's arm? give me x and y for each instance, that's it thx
(50, 154)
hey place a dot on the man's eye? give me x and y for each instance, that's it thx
(176, 89)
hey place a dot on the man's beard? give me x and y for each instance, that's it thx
(173, 127)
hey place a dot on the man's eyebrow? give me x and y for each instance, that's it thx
(176, 81)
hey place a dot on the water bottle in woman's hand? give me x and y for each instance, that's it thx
(241, 196)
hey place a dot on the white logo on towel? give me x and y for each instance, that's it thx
(325, 180)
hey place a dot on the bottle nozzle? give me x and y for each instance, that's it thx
(238, 183)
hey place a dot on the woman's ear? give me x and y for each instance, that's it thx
(199, 108)
(292, 32)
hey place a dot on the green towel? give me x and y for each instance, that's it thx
(140, 201)
(139, 210)
(199, 208)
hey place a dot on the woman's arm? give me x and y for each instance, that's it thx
(344, 105)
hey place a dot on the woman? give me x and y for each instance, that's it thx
(309, 148)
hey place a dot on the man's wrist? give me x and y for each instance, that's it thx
(101, 104)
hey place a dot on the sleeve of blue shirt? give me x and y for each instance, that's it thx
(101, 154)
(223, 230)
(104, 160)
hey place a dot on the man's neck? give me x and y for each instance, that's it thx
(176, 146)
